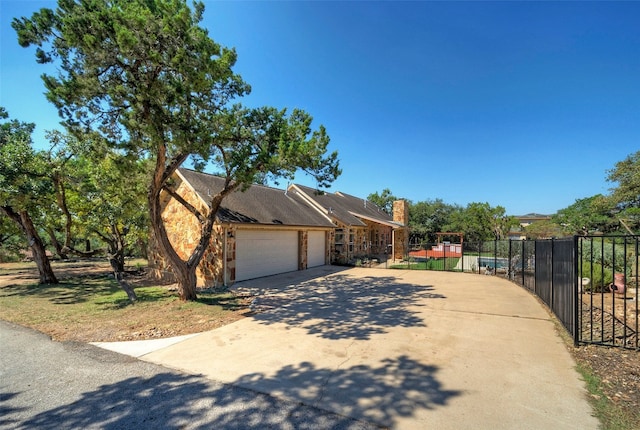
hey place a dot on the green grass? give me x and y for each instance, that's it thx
(433, 264)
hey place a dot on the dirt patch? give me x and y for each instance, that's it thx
(619, 371)
(82, 308)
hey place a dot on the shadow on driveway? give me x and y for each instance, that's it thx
(345, 307)
(397, 388)
(172, 401)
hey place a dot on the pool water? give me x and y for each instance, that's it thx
(490, 262)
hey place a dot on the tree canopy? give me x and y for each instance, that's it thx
(24, 186)
(384, 200)
(145, 77)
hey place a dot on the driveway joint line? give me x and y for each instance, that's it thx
(496, 315)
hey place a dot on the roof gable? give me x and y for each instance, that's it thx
(349, 210)
(257, 205)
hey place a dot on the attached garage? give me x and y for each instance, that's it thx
(265, 252)
(316, 249)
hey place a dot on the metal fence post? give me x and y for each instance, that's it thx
(522, 262)
(577, 297)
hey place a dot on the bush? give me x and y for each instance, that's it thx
(600, 277)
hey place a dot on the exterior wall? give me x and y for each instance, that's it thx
(401, 236)
(183, 230)
(400, 243)
(379, 237)
(350, 243)
(303, 246)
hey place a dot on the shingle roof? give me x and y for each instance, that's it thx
(257, 205)
(348, 209)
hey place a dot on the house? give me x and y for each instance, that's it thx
(525, 221)
(265, 231)
(362, 230)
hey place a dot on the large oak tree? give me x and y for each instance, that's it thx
(148, 79)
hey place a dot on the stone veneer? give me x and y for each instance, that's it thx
(183, 230)
(401, 236)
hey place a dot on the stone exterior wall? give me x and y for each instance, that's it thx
(303, 246)
(401, 237)
(183, 230)
(379, 237)
(358, 242)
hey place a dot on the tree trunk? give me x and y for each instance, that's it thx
(23, 219)
(60, 250)
(118, 273)
(116, 259)
(184, 274)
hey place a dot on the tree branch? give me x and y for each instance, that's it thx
(185, 203)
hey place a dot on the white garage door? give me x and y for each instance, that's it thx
(315, 248)
(265, 252)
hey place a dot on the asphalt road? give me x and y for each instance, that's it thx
(52, 385)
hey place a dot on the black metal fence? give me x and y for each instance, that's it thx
(589, 282)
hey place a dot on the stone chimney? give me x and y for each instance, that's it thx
(401, 234)
(401, 212)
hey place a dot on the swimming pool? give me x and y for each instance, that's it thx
(494, 263)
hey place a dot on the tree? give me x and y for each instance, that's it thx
(146, 78)
(11, 239)
(94, 200)
(626, 196)
(23, 186)
(480, 221)
(543, 229)
(587, 216)
(384, 200)
(429, 217)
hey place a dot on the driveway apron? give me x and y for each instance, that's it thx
(401, 349)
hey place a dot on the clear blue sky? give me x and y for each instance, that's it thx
(520, 104)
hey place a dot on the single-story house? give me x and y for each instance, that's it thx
(362, 229)
(265, 231)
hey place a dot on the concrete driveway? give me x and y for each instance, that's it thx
(401, 349)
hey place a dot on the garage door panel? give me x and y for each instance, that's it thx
(316, 249)
(265, 252)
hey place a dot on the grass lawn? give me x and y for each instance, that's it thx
(433, 264)
(92, 307)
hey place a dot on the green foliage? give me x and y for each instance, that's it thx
(610, 252)
(143, 77)
(384, 200)
(627, 174)
(600, 277)
(24, 183)
(586, 216)
(544, 229)
(429, 217)
(480, 221)
(11, 239)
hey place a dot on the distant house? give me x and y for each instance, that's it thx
(265, 231)
(526, 220)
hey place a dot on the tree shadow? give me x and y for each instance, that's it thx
(173, 401)
(6, 410)
(68, 292)
(344, 307)
(397, 388)
(360, 397)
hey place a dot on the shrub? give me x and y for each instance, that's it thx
(600, 277)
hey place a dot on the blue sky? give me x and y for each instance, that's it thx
(525, 105)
